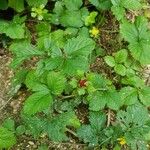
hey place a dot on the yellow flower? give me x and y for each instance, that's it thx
(94, 32)
(122, 141)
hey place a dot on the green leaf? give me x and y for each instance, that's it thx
(101, 4)
(90, 19)
(133, 81)
(23, 50)
(56, 128)
(12, 29)
(3, 4)
(71, 19)
(33, 82)
(7, 138)
(74, 63)
(120, 69)
(135, 119)
(138, 37)
(110, 61)
(18, 5)
(79, 46)
(37, 102)
(96, 103)
(36, 3)
(56, 82)
(144, 96)
(92, 133)
(119, 12)
(129, 95)
(77, 51)
(9, 124)
(121, 56)
(73, 4)
(113, 99)
(140, 51)
(131, 4)
(20, 130)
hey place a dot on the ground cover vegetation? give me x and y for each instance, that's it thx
(54, 45)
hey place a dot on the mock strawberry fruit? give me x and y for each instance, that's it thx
(82, 83)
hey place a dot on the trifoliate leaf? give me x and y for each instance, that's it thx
(73, 4)
(129, 95)
(56, 82)
(7, 138)
(37, 102)
(120, 69)
(144, 96)
(101, 4)
(110, 61)
(121, 56)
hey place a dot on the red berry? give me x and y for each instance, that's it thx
(82, 83)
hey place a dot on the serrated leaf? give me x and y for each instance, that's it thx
(70, 66)
(73, 4)
(12, 29)
(79, 46)
(56, 82)
(144, 96)
(131, 4)
(71, 19)
(110, 61)
(138, 37)
(96, 103)
(36, 3)
(133, 81)
(37, 102)
(56, 128)
(101, 4)
(91, 133)
(119, 12)
(121, 56)
(120, 69)
(7, 138)
(125, 117)
(23, 50)
(77, 51)
(18, 5)
(129, 95)
(33, 82)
